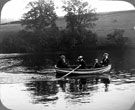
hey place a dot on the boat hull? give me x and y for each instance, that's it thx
(91, 71)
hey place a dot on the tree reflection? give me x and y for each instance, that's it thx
(73, 89)
(43, 91)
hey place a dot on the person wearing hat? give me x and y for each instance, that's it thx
(62, 62)
(105, 61)
(81, 61)
(97, 64)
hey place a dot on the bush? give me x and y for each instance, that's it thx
(13, 44)
(117, 39)
(75, 40)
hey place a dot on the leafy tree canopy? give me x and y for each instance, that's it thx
(40, 16)
(79, 14)
(80, 20)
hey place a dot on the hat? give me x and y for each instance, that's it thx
(62, 56)
(80, 57)
(96, 59)
(105, 54)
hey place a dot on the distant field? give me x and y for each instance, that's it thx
(10, 27)
(106, 23)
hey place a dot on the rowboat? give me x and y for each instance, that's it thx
(88, 71)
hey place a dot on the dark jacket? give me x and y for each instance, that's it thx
(62, 64)
(105, 62)
(97, 65)
(82, 63)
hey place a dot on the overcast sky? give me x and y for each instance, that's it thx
(15, 8)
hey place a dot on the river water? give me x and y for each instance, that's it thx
(26, 82)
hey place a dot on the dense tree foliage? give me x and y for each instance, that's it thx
(41, 15)
(41, 31)
(80, 19)
(79, 15)
(13, 43)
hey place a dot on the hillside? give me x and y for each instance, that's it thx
(118, 20)
(106, 23)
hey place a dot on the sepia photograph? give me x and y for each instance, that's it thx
(67, 54)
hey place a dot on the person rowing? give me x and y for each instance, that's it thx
(62, 63)
(105, 61)
(81, 61)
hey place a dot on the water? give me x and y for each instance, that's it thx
(26, 83)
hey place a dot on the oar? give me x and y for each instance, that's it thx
(68, 73)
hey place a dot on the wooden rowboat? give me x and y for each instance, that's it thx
(88, 71)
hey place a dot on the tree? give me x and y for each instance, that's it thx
(79, 15)
(117, 38)
(80, 20)
(41, 18)
(41, 15)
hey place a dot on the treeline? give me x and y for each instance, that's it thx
(41, 32)
(56, 40)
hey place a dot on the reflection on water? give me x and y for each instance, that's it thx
(70, 94)
(30, 87)
(42, 90)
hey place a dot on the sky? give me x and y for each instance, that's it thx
(14, 9)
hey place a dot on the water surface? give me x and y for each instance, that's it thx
(26, 82)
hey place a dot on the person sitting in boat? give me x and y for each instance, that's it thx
(62, 62)
(97, 64)
(81, 61)
(105, 61)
